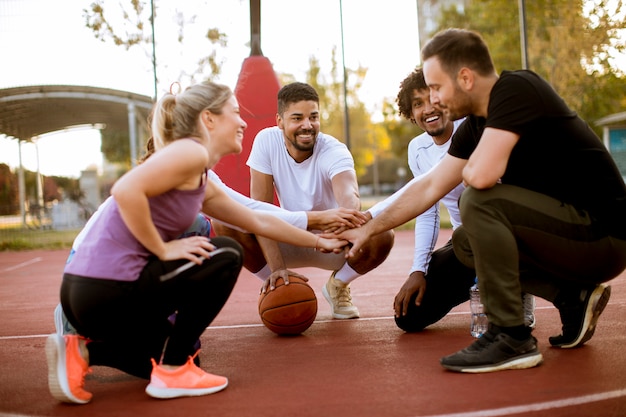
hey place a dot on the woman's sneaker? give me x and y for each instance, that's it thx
(61, 324)
(67, 369)
(579, 315)
(494, 351)
(185, 381)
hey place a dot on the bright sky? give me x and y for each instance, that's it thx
(48, 43)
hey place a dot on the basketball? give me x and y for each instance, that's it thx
(288, 309)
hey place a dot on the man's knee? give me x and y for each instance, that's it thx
(254, 260)
(462, 248)
(410, 324)
(382, 244)
(222, 229)
(374, 253)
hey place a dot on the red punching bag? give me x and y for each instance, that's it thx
(256, 92)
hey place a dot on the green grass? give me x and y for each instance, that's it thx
(17, 238)
(410, 225)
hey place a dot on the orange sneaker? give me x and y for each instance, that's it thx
(185, 381)
(67, 369)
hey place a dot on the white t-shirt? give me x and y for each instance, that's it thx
(295, 218)
(423, 155)
(306, 185)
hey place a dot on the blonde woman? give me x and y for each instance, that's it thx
(130, 272)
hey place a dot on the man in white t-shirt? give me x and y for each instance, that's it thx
(437, 281)
(309, 171)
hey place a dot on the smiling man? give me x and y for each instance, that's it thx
(542, 211)
(437, 280)
(309, 171)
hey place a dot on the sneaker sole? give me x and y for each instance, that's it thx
(57, 375)
(597, 302)
(338, 315)
(526, 361)
(167, 393)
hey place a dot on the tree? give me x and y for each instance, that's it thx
(126, 24)
(568, 44)
(367, 143)
(9, 203)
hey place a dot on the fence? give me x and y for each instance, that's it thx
(49, 228)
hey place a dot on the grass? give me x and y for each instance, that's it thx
(18, 238)
(410, 225)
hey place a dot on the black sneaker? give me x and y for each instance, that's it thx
(579, 316)
(494, 351)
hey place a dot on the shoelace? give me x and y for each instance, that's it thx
(85, 372)
(343, 295)
(484, 341)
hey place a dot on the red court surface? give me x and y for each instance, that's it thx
(365, 367)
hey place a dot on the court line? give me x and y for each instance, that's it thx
(547, 405)
(494, 412)
(23, 264)
(245, 326)
(16, 415)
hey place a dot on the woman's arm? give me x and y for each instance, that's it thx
(177, 166)
(219, 206)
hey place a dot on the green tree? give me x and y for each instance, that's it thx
(569, 43)
(127, 24)
(9, 203)
(365, 139)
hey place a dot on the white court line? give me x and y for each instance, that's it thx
(245, 326)
(23, 264)
(233, 326)
(16, 415)
(547, 405)
(494, 412)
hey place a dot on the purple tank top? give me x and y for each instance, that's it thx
(109, 250)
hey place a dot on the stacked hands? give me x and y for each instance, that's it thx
(333, 223)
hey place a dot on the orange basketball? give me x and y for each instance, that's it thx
(288, 309)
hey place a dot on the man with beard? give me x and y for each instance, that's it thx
(542, 211)
(309, 171)
(437, 281)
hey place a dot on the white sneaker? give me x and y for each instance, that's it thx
(61, 324)
(528, 301)
(338, 296)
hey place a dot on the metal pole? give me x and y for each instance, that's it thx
(154, 67)
(21, 185)
(420, 42)
(522, 28)
(255, 28)
(132, 133)
(40, 202)
(346, 124)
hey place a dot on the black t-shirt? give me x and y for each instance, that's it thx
(557, 153)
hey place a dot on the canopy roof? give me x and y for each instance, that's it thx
(27, 112)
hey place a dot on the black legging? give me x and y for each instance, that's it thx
(128, 322)
(447, 285)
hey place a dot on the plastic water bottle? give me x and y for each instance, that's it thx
(479, 322)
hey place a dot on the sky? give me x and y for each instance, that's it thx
(47, 42)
